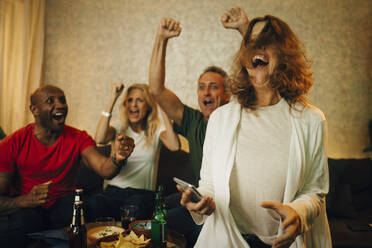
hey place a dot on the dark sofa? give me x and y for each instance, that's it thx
(349, 202)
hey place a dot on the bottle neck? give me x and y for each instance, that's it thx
(78, 194)
(78, 216)
(158, 201)
(158, 205)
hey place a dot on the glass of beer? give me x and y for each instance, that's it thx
(128, 215)
(105, 221)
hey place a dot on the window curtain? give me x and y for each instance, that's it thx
(21, 55)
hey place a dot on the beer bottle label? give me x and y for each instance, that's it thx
(159, 232)
(82, 218)
(163, 232)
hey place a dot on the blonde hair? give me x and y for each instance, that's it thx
(150, 122)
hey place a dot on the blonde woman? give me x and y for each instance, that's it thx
(135, 183)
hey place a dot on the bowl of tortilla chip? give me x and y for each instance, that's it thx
(141, 227)
(130, 240)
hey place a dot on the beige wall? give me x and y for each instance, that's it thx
(91, 43)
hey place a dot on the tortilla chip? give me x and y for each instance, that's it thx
(128, 241)
(113, 244)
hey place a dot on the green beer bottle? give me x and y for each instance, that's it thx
(158, 223)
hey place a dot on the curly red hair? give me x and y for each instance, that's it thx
(292, 76)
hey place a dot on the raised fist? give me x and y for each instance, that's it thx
(38, 196)
(123, 147)
(168, 28)
(116, 89)
(234, 18)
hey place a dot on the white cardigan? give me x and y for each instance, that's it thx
(307, 178)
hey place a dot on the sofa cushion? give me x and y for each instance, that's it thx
(173, 164)
(336, 169)
(362, 200)
(358, 174)
(89, 180)
(350, 190)
(342, 205)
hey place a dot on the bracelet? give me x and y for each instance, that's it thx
(116, 163)
(106, 114)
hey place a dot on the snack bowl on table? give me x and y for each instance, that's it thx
(98, 234)
(127, 240)
(141, 227)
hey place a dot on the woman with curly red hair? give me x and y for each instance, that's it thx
(264, 173)
(291, 77)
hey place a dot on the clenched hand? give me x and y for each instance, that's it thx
(123, 147)
(235, 18)
(115, 90)
(38, 196)
(168, 28)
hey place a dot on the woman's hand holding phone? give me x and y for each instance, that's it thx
(205, 206)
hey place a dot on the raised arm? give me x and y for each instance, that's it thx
(167, 100)
(105, 132)
(109, 167)
(236, 18)
(168, 136)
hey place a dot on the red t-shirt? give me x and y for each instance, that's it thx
(34, 163)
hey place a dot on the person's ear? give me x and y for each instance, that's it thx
(34, 110)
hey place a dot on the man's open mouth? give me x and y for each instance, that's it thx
(59, 116)
(207, 102)
(259, 60)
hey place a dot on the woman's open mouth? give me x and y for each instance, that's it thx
(259, 61)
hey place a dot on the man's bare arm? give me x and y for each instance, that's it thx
(167, 100)
(38, 195)
(109, 167)
(6, 202)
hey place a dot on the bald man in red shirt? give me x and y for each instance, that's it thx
(39, 164)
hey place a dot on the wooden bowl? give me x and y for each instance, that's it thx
(141, 227)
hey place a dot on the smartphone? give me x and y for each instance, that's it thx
(195, 196)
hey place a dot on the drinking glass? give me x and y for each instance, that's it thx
(128, 215)
(105, 221)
